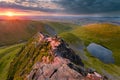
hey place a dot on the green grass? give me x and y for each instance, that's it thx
(7, 55)
(107, 35)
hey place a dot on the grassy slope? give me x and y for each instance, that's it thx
(107, 35)
(6, 56)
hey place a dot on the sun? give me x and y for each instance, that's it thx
(10, 14)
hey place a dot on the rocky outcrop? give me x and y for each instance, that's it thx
(49, 58)
(66, 65)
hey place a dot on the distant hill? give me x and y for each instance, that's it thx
(15, 31)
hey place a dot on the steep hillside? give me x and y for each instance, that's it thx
(7, 55)
(51, 58)
(107, 35)
(15, 31)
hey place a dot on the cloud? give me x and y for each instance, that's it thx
(36, 5)
(65, 6)
(90, 6)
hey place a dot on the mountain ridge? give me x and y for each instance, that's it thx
(52, 54)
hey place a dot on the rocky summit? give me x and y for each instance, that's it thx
(49, 58)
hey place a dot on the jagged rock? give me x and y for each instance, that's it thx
(63, 66)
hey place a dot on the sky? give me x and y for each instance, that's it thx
(62, 7)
